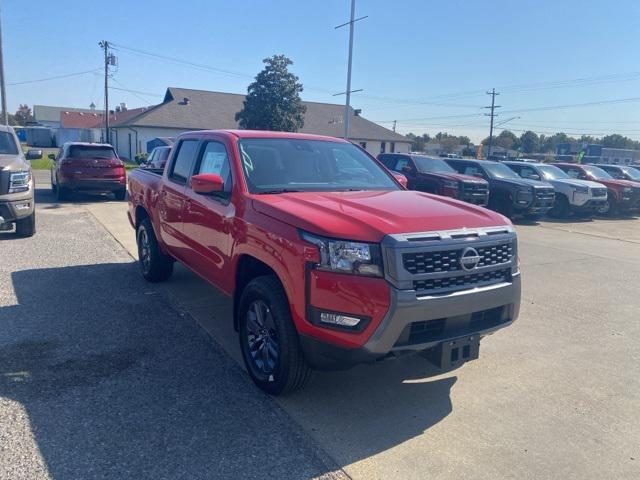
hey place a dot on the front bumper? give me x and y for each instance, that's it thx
(590, 205)
(416, 323)
(16, 206)
(481, 199)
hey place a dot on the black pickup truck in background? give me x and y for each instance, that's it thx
(509, 194)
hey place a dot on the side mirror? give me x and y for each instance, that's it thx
(533, 177)
(52, 156)
(34, 154)
(207, 183)
(477, 175)
(402, 180)
(406, 168)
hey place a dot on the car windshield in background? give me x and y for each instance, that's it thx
(277, 165)
(426, 164)
(7, 144)
(498, 170)
(632, 172)
(551, 172)
(80, 151)
(597, 172)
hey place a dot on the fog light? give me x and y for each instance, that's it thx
(337, 319)
(22, 206)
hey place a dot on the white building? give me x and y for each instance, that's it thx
(184, 110)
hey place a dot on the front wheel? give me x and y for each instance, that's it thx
(120, 194)
(268, 339)
(609, 208)
(26, 227)
(154, 265)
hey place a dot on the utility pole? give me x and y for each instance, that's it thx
(395, 122)
(348, 92)
(105, 46)
(493, 106)
(3, 92)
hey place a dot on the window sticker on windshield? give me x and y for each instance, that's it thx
(213, 162)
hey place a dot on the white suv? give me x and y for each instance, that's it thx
(572, 195)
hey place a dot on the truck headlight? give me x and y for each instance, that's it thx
(450, 184)
(581, 189)
(19, 181)
(344, 256)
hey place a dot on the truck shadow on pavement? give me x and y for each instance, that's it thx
(118, 384)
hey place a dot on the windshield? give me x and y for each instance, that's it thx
(551, 172)
(81, 151)
(498, 170)
(597, 172)
(7, 144)
(276, 165)
(426, 164)
(631, 173)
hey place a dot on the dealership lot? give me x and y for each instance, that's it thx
(94, 361)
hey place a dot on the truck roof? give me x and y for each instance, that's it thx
(270, 134)
(89, 144)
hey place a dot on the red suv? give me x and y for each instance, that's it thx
(89, 167)
(622, 195)
(434, 175)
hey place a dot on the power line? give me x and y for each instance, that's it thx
(133, 91)
(67, 75)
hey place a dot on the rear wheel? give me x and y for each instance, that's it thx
(154, 265)
(268, 339)
(120, 194)
(26, 227)
(62, 193)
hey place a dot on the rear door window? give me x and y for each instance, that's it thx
(181, 168)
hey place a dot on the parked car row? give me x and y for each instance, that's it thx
(524, 188)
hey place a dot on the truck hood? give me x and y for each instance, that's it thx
(617, 184)
(370, 215)
(453, 176)
(13, 162)
(573, 182)
(522, 182)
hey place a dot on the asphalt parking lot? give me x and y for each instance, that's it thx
(102, 375)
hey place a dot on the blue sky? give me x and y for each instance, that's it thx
(425, 64)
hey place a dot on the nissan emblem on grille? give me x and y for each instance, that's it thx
(469, 259)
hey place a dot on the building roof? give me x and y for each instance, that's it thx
(47, 113)
(93, 119)
(188, 109)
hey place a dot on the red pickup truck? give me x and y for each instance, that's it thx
(329, 260)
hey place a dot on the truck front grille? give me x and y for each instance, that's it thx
(449, 260)
(477, 188)
(443, 262)
(5, 175)
(545, 196)
(461, 282)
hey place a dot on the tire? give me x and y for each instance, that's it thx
(120, 194)
(503, 205)
(533, 216)
(561, 207)
(54, 187)
(610, 208)
(155, 266)
(62, 193)
(26, 227)
(265, 325)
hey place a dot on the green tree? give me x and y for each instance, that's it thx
(550, 143)
(273, 100)
(23, 115)
(418, 141)
(507, 139)
(529, 142)
(618, 141)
